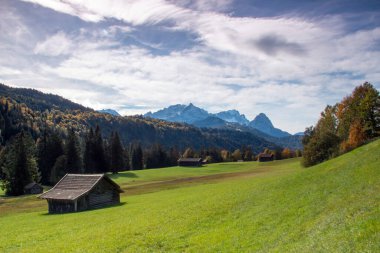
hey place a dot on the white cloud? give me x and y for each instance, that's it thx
(58, 44)
(281, 66)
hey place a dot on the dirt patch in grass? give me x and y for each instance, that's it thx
(189, 181)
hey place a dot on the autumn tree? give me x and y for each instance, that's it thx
(189, 153)
(321, 142)
(236, 155)
(225, 154)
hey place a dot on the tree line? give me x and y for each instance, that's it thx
(42, 146)
(245, 153)
(348, 124)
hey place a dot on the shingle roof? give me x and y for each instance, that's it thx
(189, 159)
(72, 186)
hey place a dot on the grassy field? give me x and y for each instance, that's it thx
(246, 207)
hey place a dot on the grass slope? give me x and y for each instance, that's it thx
(332, 207)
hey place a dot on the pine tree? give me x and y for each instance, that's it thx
(89, 163)
(19, 166)
(72, 153)
(49, 148)
(116, 153)
(136, 157)
(42, 157)
(99, 153)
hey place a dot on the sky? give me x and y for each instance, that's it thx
(285, 58)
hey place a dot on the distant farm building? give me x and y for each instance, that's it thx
(265, 157)
(78, 192)
(190, 162)
(33, 188)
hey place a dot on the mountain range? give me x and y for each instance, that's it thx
(199, 117)
(33, 111)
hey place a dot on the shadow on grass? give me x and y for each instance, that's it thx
(89, 210)
(123, 175)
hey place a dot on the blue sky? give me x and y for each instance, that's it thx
(285, 58)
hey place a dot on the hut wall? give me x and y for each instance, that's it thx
(189, 164)
(102, 195)
(265, 159)
(61, 206)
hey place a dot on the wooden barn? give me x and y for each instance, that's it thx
(265, 157)
(33, 188)
(190, 162)
(79, 192)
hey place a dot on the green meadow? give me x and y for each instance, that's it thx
(234, 207)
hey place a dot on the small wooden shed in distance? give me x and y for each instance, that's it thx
(33, 188)
(78, 192)
(190, 162)
(265, 157)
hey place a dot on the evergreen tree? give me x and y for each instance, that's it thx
(136, 157)
(116, 153)
(49, 148)
(99, 153)
(19, 165)
(89, 163)
(156, 157)
(72, 153)
(59, 169)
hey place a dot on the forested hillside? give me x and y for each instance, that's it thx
(39, 101)
(48, 136)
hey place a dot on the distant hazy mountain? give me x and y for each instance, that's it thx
(210, 122)
(233, 116)
(110, 111)
(232, 119)
(263, 123)
(180, 113)
(300, 134)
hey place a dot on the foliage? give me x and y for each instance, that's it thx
(189, 153)
(236, 155)
(18, 164)
(73, 153)
(344, 126)
(136, 157)
(116, 153)
(49, 147)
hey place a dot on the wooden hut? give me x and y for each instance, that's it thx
(265, 157)
(33, 188)
(78, 192)
(190, 162)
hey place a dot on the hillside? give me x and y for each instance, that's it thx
(39, 101)
(271, 207)
(19, 116)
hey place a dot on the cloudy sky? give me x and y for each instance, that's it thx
(286, 58)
